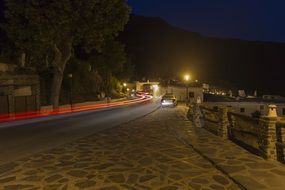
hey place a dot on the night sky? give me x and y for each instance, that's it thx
(244, 19)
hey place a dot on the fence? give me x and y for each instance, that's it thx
(264, 136)
(280, 144)
(213, 120)
(19, 93)
(244, 131)
(4, 104)
(25, 104)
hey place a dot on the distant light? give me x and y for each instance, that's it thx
(128, 89)
(187, 77)
(196, 81)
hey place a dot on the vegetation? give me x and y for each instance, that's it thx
(48, 34)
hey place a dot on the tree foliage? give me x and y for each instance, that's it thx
(111, 63)
(39, 23)
(111, 59)
(48, 30)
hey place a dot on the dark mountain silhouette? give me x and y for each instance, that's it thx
(161, 50)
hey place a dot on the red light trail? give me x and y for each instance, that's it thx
(73, 109)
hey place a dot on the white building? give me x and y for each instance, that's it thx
(247, 108)
(195, 93)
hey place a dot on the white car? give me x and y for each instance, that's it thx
(168, 100)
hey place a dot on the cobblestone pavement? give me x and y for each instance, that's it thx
(143, 154)
(246, 169)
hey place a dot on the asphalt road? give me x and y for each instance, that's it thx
(24, 138)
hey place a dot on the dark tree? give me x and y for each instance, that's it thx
(52, 28)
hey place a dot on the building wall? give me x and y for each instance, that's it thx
(247, 108)
(4, 67)
(181, 93)
(20, 89)
(139, 85)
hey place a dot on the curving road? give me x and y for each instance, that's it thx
(22, 138)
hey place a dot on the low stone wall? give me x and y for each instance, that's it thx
(264, 136)
(280, 130)
(211, 119)
(215, 120)
(244, 131)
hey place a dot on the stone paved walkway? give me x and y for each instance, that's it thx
(246, 169)
(160, 151)
(143, 154)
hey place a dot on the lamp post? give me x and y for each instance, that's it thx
(187, 78)
(125, 89)
(70, 76)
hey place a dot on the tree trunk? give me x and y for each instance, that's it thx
(22, 60)
(55, 89)
(61, 57)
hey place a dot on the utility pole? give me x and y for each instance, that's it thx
(70, 76)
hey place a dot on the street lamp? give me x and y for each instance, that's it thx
(187, 78)
(125, 89)
(70, 76)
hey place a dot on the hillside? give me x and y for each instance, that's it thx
(161, 50)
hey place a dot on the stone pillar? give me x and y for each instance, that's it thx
(267, 134)
(272, 111)
(197, 115)
(232, 120)
(280, 133)
(223, 122)
(190, 113)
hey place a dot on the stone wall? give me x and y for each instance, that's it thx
(210, 119)
(281, 141)
(264, 136)
(215, 120)
(244, 131)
